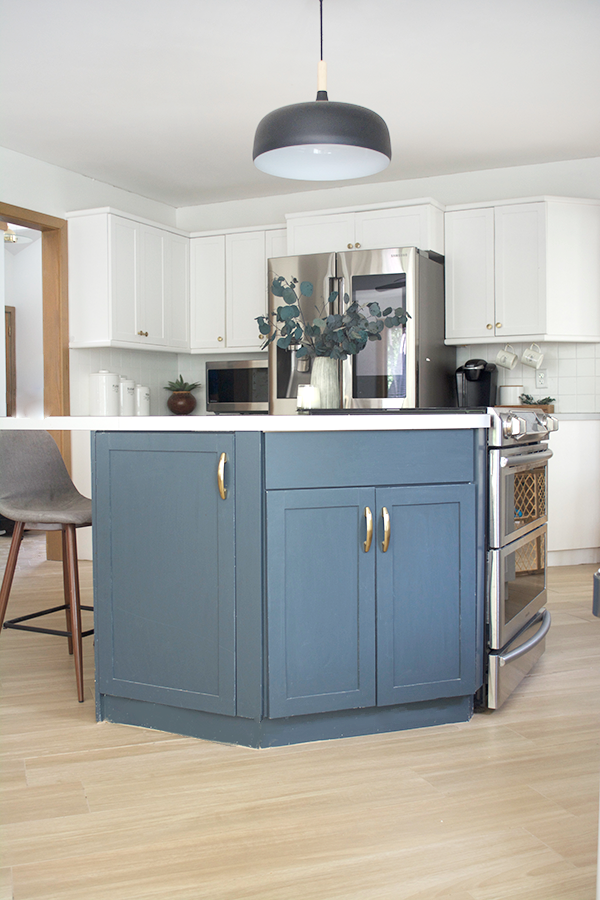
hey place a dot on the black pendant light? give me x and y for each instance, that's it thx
(322, 140)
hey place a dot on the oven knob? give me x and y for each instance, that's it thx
(551, 423)
(513, 426)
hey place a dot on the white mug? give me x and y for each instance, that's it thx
(510, 394)
(507, 357)
(533, 357)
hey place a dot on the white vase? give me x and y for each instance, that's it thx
(325, 377)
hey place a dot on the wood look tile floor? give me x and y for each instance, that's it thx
(504, 806)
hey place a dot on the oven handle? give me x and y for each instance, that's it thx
(530, 644)
(525, 459)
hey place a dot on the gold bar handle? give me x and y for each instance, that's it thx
(386, 530)
(221, 476)
(369, 518)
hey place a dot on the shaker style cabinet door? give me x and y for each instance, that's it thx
(426, 593)
(164, 544)
(320, 601)
(470, 293)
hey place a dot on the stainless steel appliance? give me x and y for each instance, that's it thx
(476, 383)
(410, 367)
(516, 621)
(237, 386)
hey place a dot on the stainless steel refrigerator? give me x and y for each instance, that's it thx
(408, 367)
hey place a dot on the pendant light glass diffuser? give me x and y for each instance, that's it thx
(322, 140)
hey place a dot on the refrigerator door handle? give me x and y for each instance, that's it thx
(539, 636)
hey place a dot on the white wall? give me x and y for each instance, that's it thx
(571, 178)
(39, 186)
(23, 290)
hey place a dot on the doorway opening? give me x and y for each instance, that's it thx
(55, 324)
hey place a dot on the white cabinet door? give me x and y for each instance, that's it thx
(245, 269)
(124, 238)
(276, 243)
(321, 234)
(128, 284)
(520, 242)
(419, 226)
(150, 324)
(470, 311)
(177, 290)
(523, 272)
(207, 267)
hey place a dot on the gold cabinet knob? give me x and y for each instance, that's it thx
(349, 246)
(143, 333)
(498, 324)
(489, 326)
(219, 338)
(357, 245)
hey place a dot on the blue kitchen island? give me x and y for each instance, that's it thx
(274, 580)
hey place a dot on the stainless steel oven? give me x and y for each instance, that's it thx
(516, 621)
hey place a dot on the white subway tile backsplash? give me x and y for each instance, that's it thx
(567, 367)
(586, 367)
(586, 351)
(572, 372)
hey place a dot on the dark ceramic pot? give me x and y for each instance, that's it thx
(181, 403)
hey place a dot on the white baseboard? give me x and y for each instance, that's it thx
(574, 557)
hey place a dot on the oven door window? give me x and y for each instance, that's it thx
(379, 371)
(517, 585)
(525, 500)
(518, 493)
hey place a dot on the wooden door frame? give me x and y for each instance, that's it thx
(55, 304)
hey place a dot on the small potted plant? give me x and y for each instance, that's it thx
(182, 401)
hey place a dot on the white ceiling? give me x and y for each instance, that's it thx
(162, 97)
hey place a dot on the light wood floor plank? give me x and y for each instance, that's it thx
(504, 806)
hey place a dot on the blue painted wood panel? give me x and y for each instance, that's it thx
(341, 459)
(426, 594)
(320, 602)
(165, 558)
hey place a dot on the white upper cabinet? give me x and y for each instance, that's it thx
(229, 287)
(128, 283)
(527, 271)
(418, 225)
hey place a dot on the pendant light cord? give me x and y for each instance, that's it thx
(322, 69)
(321, 23)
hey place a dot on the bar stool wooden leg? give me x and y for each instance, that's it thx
(11, 565)
(66, 593)
(72, 579)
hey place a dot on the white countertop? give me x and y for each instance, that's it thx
(374, 422)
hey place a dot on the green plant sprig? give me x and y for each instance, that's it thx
(337, 335)
(529, 400)
(181, 385)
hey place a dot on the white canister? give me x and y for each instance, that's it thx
(142, 400)
(126, 397)
(510, 394)
(104, 393)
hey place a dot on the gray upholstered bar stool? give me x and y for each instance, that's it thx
(36, 491)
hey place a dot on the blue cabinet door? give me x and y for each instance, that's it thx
(320, 601)
(426, 593)
(164, 551)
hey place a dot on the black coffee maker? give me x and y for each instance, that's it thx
(476, 383)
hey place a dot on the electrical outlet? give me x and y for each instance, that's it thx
(541, 378)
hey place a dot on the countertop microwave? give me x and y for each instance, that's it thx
(237, 386)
